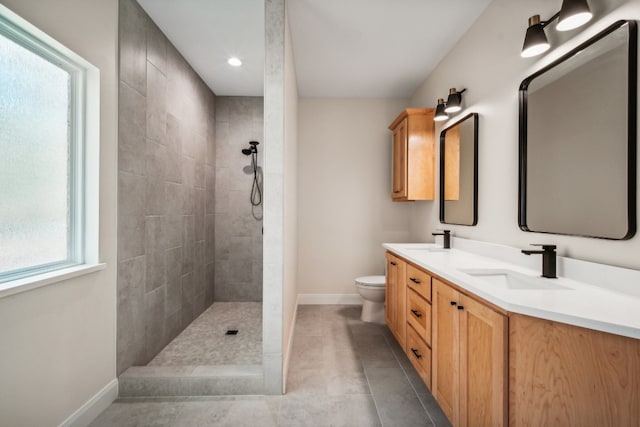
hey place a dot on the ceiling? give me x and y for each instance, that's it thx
(208, 32)
(341, 48)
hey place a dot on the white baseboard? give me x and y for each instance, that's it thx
(287, 356)
(88, 412)
(348, 299)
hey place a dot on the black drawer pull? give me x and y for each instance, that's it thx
(454, 303)
(415, 353)
(414, 280)
(416, 313)
(396, 192)
(460, 307)
(392, 263)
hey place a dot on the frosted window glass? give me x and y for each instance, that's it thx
(35, 178)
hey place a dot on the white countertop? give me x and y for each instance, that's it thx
(592, 306)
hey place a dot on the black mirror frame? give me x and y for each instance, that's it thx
(631, 130)
(475, 168)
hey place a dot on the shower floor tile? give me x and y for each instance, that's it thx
(204, 342)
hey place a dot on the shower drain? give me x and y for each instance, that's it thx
(232, 332)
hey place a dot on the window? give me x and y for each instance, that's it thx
(47, 148)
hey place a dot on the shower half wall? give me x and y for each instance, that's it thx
(166, 191)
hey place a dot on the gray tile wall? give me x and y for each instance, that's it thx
(238, 225)
(166, 183)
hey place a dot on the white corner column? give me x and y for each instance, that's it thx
(273, 239)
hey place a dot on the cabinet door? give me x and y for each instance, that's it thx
(401, 304)
(400, 161)
(483, 363)
(390, 291)
(445, 377)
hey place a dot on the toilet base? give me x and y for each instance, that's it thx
(373, 312)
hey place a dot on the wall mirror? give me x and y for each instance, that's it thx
(578, 140)
(459, 172)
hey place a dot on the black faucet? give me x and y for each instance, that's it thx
(548, 260)
(447, 238)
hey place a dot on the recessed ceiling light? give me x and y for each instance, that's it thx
(233, 61)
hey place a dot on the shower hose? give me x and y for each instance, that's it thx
(256, 193)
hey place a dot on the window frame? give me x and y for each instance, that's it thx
(83, 156)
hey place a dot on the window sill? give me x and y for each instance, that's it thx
(49, 278)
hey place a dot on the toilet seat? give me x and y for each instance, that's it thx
(371, 281)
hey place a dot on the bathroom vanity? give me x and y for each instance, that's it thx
(497, 344)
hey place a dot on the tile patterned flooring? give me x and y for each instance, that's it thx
(343, 372)
(204, 342)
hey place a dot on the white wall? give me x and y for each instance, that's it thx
(290, 193)
(487, 62)
(58, 342)
(344, 192)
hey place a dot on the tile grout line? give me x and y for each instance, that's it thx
(410, 383)
(366, 377)
(373, 397)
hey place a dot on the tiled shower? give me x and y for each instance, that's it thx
(187, 234)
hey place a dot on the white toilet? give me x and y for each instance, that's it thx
(371, 289)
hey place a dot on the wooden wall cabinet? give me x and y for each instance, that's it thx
(396, 297)
(413, 155)
(469, 367)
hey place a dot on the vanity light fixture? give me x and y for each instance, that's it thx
(572, 14)
(453, 101)
(234, 62)
(440, 114)
(535, 40)
(453, 105)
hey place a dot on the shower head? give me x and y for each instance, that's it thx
(252, 149)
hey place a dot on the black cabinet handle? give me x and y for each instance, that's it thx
(454, 303)
(416, 313)
(414, 280)
(460, 307)
(415, 353)
(392, 263)
(396, 192)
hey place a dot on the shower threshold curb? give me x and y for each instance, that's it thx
(212, 380)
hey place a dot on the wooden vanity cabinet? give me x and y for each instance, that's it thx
(489, 370)
(566, 376)
(469, 359)
(413, 155)
(395, 298)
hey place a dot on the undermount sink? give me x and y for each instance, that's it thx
(513, 280)
(428, 248)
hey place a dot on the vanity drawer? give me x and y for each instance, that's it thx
(419, 281)
(419, 354)
(419, 315)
